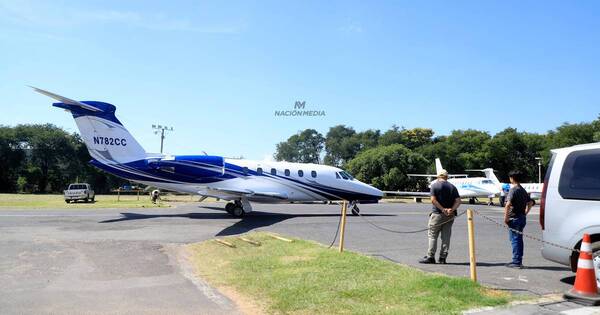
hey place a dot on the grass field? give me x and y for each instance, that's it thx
(17, 201)
(304, 277)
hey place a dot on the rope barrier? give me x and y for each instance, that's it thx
(409, 232)
(529, 236)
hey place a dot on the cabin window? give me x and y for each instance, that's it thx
(287, 172)
(245, 170)
(343, 175)
(259, 171)
(337, 175)
(300, 173)
(313, 174)
(273, 171)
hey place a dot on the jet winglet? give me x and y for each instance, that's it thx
(65, 100)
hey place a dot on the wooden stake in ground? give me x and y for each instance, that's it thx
(471, 231)
(343, 224)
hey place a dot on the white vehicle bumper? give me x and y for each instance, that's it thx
(75, 197)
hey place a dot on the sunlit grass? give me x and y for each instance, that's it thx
(304, 277)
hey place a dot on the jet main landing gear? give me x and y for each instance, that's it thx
(238, 208)
(235, 208)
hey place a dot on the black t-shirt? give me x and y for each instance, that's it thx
(518, 198)
(445, 193)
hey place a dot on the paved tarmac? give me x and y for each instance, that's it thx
(124, 261)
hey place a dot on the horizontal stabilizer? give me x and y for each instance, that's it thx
(65, 100)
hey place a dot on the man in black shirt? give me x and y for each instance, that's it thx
(445, 201)
(518, 204)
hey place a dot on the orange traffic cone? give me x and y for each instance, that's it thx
(585, 289)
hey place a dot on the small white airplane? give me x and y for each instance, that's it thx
(468, 187)
(534, 189)
(114, 150)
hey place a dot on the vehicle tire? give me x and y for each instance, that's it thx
(67, 201)
(237, 212)
(229, 207)
(93, 199)
(596, 257)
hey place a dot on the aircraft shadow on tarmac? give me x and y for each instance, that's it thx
(247, 223)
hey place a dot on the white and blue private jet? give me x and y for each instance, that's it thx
(114, 150)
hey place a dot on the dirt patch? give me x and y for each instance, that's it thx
(245, 304)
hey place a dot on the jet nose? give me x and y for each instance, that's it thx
(371, 191)
(376, 192)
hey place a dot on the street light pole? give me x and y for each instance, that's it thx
(161, 129)
(539, 159)
(162, 139)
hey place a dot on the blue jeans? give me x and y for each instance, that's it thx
(516, 239)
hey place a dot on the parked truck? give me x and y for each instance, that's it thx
(79, 191)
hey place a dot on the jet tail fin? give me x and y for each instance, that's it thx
(104, 135)
(438, 166)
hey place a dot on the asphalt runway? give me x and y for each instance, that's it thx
(124, 261)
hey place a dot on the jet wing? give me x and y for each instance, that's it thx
(407, 193)
(219, 192)
(435, 176)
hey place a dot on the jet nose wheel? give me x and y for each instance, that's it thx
(355, 210)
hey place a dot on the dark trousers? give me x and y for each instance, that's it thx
(516, 239)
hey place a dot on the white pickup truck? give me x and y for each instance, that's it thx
(79, 192)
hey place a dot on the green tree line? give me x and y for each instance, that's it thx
(385, 158)
(43, 158)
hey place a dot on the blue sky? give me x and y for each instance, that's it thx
(217, 71)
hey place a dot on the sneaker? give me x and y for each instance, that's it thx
(442, 261)
(514, 265)
(427, 260)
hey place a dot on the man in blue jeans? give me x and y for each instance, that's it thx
(518, 204)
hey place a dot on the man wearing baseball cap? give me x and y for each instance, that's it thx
(445, 201)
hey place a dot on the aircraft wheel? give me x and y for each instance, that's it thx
(229, 207)
(471, 201)
(238, 212)
(355, 210)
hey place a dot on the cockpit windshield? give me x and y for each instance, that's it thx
(346, 175)
(487, 181)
